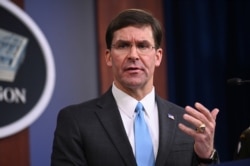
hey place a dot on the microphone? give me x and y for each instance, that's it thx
(237, 81)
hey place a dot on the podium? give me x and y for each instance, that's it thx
(14, 150)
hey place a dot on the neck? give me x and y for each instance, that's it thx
(137, 93)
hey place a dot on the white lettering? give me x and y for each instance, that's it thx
(12, 95)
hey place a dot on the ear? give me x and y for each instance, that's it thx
(158, 57)
(108, 58)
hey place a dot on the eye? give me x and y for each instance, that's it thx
(143, 46)
(122, 45)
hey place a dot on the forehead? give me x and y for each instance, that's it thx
(132, 33)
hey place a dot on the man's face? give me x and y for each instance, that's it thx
(133, 68)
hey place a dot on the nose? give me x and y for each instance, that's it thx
(133, 54)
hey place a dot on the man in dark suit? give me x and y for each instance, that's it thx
(243, 149)
(101, 132)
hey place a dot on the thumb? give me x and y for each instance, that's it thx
(215, 113)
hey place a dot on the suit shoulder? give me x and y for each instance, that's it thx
(91, 105)
(80, 106)
(169, 105)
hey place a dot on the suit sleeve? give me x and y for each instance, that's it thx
(67, 148)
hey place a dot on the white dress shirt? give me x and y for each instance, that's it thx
(126, 105)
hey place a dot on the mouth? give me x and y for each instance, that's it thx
(133, 69)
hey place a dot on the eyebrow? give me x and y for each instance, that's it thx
(129, 42)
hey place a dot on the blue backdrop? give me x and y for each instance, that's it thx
(69, 27)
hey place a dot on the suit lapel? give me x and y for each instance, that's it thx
(167, 128)
(111, 120)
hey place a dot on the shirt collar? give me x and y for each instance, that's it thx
(127, 103)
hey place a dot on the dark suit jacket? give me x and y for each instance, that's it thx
(92, 134)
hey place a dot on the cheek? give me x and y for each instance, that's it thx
(115, 62)
(150, 62)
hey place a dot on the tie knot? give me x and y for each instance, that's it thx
(139, 107)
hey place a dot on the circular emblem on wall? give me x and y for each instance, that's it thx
(27, 71)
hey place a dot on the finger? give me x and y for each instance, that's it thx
(201, 108)
(191, 132)
(196, 114)
(206, 112)
(215, 113)
(194, 121)
(187, 130)
(210, 116)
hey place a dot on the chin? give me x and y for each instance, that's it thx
(134, 84)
